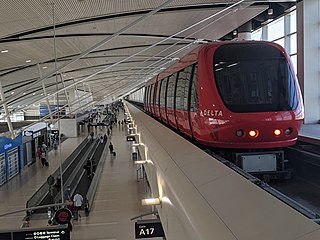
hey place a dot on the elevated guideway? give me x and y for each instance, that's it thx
(201, 198)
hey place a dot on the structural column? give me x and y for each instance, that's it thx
(45, 93)
(308, 57)
(6, 111)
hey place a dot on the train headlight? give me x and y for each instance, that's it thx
(239, 133)
(253, 133)
(288, 131)
(277, 132)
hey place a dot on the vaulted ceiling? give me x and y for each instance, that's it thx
(107, 47)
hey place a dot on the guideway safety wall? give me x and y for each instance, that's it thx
(202, 198)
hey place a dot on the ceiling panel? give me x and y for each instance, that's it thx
(122, 62)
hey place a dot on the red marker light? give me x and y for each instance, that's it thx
(277, 132)
(253, 133)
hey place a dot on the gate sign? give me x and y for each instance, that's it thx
(53, 233)
(149, 228)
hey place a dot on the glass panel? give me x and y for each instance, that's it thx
(163, 92)
(194, 91)
(293, 44)
(276, 29)
(170, 90)
(183, 88)
(257, 35)
(158, 92)
(254, 77)
(293, 21)
(280, 42)
(186, 88)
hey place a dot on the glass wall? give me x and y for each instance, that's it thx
(282, 31)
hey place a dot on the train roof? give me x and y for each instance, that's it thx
(191, 57)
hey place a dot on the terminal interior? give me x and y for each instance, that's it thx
(70, 75)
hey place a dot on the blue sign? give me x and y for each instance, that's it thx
(45, 111)
(8, 145)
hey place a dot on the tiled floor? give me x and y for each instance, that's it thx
(117, 199)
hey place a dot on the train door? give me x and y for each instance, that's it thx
(170, 100)
(193, 104)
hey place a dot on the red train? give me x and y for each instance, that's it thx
(230, 95)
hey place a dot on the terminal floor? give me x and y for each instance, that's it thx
(117, 200)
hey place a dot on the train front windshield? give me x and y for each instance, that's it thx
(254, 77)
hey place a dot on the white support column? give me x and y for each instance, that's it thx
(6, 111)
(65, 92)
(91, 95)
(308, 42)
(45, 92)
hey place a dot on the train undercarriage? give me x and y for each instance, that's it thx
(265, 165)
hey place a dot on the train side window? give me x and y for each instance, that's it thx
(151, 97)
(183, 88)
(179, 93)
(163, 92)
(188, 73)
(194, 90)
(171, 91)
(147, 98)
(158, 93)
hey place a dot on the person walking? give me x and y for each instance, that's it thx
(26, 223)
(78, 201)
(111, 148)
(39, 153)
(44, 148)
(43, 159)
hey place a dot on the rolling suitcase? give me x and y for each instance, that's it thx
(46, 164)
(114, 153)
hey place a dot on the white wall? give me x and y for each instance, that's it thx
(68, 127)
(308, 57)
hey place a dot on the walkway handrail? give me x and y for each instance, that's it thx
(96, 178)
(38, 196)
(69, 182)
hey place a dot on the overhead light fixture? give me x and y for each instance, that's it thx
(50, 125)
(27, 61)
(24, 93)
(4, 51)
(150, 201)
(12, 92)
(44, 67)
(235, 32)
(33, 94)
(270, 11)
